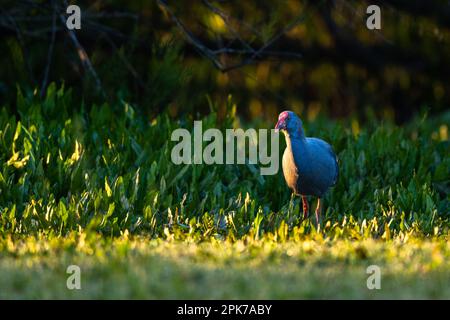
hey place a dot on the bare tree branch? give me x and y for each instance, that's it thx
(212, 54)
(84, 58)
(262, 54)
(226, 18)
(190, 37)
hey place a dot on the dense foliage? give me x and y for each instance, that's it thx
(109, 170)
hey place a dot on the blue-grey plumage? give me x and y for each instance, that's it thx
(310, 165)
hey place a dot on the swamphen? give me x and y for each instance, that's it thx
(310, 165)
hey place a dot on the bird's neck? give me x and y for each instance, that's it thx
(295, 136)
(296, 144)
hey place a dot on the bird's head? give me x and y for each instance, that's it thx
(289, 123)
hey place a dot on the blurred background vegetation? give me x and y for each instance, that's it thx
(314, 57)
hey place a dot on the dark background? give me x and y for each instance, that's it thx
(314, 57)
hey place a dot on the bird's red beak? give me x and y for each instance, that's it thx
(281, 123)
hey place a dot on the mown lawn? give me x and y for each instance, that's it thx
(95, 187)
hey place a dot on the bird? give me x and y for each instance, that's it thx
(310, 166)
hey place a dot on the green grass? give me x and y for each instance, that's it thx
(138, 267)
(97, 189)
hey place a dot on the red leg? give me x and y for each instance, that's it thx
(305, 207)
(318, 211)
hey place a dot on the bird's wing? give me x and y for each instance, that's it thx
(318, 146)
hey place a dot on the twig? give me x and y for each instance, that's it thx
(266, 45)
(226, 19)
(87, 15)
(265, 52)
(191, 38)
(95, 26)
(212, 54)
(84, 58)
